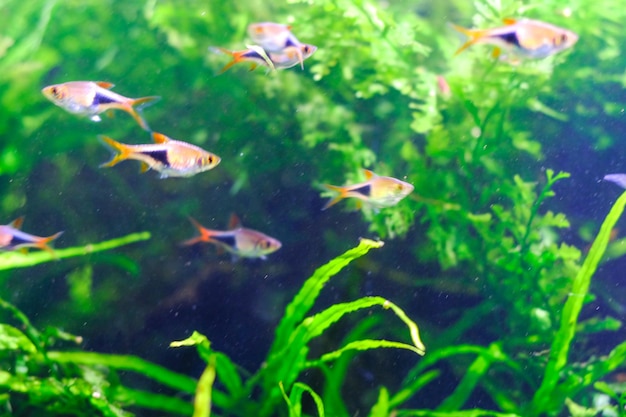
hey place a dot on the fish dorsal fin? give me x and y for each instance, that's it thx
(509, 21)
(368, 174)
(234, 222)
(17, 223)
(159, 138)
(105, 84)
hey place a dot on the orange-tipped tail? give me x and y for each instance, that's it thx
(120, 151)
(474, 36)
(42, 243)
(342, 193)
(205, 234)
(237, 58)
(135, 106)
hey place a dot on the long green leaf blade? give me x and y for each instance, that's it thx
(12, 260)
(129, 363)
(202, 401)
(304, 300)
(569, 317)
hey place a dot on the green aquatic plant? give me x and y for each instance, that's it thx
(276, 381)
(36, 378)
(479, 228)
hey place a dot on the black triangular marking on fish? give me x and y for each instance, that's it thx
(510, 38)
(366, 190)
(228, 240)
(289, 42)
(160, 155)
(102, 99)
(253, 54)
(15, 241)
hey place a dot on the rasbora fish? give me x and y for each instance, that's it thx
(377, 191)
(525, 38)
(239, 241)
(12, 238)
(89, 98)
(256, 56)
(275, 37)
(172, 158)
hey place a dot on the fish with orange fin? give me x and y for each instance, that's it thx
(275, 37)
(91, 98)
(257, 56)
(239, 241)
(172, 158)
(377, 191)
(524, 38)
(12, 238)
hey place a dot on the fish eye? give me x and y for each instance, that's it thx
(560, 40)
(265, 244)
(57, 92)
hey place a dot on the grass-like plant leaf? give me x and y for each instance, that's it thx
(464, 413)
(15, 259)
(294, 400)
(473, 375)
(226, 370)
(14, 340)
(545, 399)
(202, 400)
(149, 400)
(128, 363)
(304, 300)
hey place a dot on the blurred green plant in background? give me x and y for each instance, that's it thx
(480, 227)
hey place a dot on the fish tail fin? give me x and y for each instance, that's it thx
(43, 243)
(135, 106)
(205, 234)
(237, 57)
(340, 196)
(120, 151)
(474, 36)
